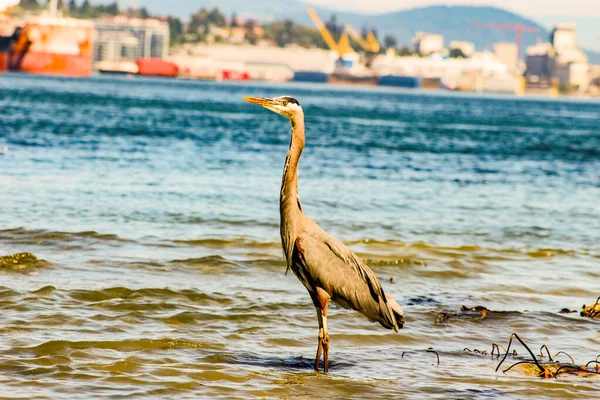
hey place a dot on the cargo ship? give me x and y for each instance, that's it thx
(352, 78)
(346, 71)
(339, 77)
(7, 34)
(5, 45)
(54, 46)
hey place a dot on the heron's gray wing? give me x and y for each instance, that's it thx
(330, 265)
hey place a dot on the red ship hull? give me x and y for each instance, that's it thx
(3, 62)
(156, 67)
(56, 64)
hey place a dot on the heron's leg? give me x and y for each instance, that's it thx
(323, 299)
(315, 300)
(320, 345)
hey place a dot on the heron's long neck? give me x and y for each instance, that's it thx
(288, 198)
(289, 184)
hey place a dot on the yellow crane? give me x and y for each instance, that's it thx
(369, 44)
(342, 47)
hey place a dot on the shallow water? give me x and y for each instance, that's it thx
(150, 209)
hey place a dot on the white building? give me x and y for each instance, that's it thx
(508, 54)
(293, 57)
(436, 66)
(574, 74)
(427, 43)
(152, 36)
(116, 46)
(481, 72)
(572, 67)
(563, 37)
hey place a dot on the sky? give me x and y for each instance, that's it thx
(531, 8)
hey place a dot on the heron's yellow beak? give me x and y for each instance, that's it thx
(259, 100)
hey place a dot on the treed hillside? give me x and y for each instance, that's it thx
(455, 23)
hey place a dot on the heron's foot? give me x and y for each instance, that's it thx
(326, 345)
(319, 349)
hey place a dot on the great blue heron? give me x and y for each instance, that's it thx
(326, 267)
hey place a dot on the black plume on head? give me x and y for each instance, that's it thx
(290, 100)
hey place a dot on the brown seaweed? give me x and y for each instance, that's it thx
(553, 368)
(465, 312)
(429, 350)
(566, 354)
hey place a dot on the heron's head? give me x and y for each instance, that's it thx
(283, 105)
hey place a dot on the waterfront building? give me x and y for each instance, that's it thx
(508, 54)
(541, 62)
(122, 38)
(428, 43)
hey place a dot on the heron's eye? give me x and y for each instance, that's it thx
(284, 103)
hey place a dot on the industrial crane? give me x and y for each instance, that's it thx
(517, 28)
(342, 47)
(369, 44)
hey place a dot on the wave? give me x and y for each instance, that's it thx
(232, 242)
(185, 219)
(40, 237)
(373, 250)
(21, 262)
(250, 252)
(123, 293)
(208, 261)
(66, 346)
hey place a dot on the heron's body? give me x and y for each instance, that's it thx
(321, 261)
(324, 265)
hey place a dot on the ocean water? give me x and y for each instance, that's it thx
(149, 209)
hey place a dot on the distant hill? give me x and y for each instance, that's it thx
(454, 22)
